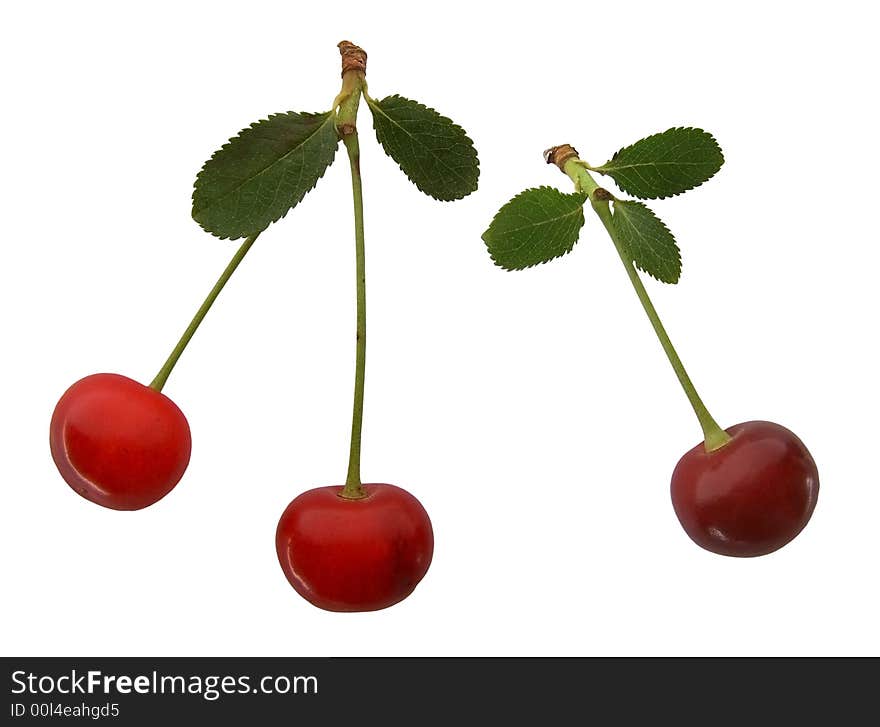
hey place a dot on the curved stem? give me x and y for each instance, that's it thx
(166, 369)
(353, 488)
(715, 437)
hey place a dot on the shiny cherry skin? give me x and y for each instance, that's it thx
(119, 443)
(355, 555)
(749, 497)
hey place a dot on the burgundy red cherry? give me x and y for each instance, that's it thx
(344, 554)
(749, 497)
(119, 443)
(746, 491)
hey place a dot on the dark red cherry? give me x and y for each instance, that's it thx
(355, 555)
(119, 443)
(749, 497)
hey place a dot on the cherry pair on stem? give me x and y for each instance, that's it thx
(123, 445)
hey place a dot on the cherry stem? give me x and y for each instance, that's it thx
(349, 99)
(159, 382)
(715, 436)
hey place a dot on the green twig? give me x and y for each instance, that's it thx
(715, 436)
(166, 369)
(346, 125)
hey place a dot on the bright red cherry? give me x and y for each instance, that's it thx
(342, 554)
(749, 497)
(119, 443)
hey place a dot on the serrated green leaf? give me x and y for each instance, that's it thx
(535, 227)
(434, 152)
(665, 164)
(648, 241)
(254, 179)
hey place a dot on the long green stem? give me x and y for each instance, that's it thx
(165, 371)
(715, 436)
(353, 83)
(353, 487)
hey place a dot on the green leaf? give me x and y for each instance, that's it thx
(535, 227)
(434, 152)
(254, 179)
(648, 241)
(666, 164)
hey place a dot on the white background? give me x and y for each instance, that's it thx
(532, 413)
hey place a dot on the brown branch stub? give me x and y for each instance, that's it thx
(558, 155)
(354, 58)
(602, 194)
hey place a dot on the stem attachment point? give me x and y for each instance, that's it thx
(354, 58)
(558, 155)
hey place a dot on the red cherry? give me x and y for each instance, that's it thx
(342, 554)
(119, 443)
(749, 497)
